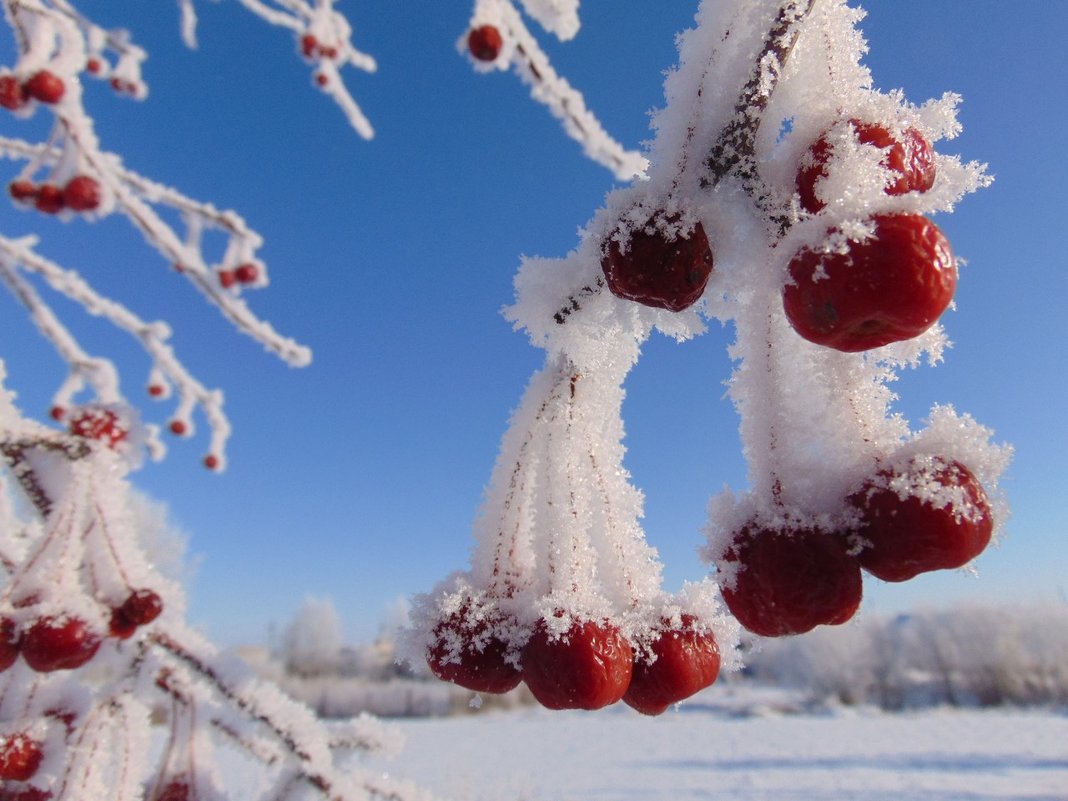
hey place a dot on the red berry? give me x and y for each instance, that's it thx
(589, 667)
(173, 791)
(57, 413)
(935, 516)
(466, 653)
(26, 793)
(142, 607)
(658, 271)
(119, 626)
(686, 662)
(9, 643)
(177, 427)
(99, 424)
(94, 66)
(790, 581)
(227, 278)
(46, 87)
(322, 78)
(309, 45)
(485, 43)
(13, 94)
(156, 390)
(211, 461)
(910, 157)
(62, 643)
(22, 191)
(49, 199)
(20, 756)
(82, 193)
(246, 273)
(890, 287)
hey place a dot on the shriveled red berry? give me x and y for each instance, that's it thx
(246, 273)
(49, 199)
(99, 424)
(934, 516)
(20, 756)
(890, 287)
(22, 191)
(9, 643)
(910, 157)
(468, 654)
(686, 661)
(658, 270)
(790, 581)
(62, 643)
(485, 43)
(45, 86)
(589, 667)
(82, 193)
(13, 94)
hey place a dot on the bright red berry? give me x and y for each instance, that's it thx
(909, 157)
(23, 191)
(99, 424)
(686, 661)
(790, 581)
(13, 94)
(655, 270)
(935, 516)
(9, 643)
(62, 643)
(45, 86)
(589, 667)
(49, 199)
(485, 43)
(467, 654)
(178, 427)
(246, 273)
(890, 287)
(20, 756)
(82, 193)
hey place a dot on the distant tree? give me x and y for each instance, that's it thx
(312, 640)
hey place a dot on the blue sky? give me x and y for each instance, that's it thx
(357, 478)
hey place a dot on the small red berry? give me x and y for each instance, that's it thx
(485, 43)
(49, 199)
(20, 756)
(178, 427)
(309, 45)
(790, 581)
(62, 643)
(466, 654)
(246, 273)
(211, 461)
(686, 662)
(887, 288)
(655, 270)
(45, 86)
(322, 78)
(142, 606)
(227, 278)
(82, 193)
(13, 94)
(94, 66)
(173, 791)
(589, 667)
(932, 517)
(9, 643)
(910, 157)
(156, 390)
(22, 191)
(57, 413)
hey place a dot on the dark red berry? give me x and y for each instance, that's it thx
(82, 193)
(94, 66)
(142, 607)
(175, 790)
(9, 643)
(309, 45)
(910, 157)
(23, 191)
(246, 273)
(322, 78)
(227, 278)
(156, 390)
(485, 43)
(211, 461)
(934, 516)
(467, 653)
(657, 269)
(790, 581)
(57, 413)
(45, 86)
(62, 643)
(890, 287)
(686, 661)
(20, 756)
(177, 427)
(589, 667)
(49, 199)
(13, 94)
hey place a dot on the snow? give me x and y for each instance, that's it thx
(739, 748)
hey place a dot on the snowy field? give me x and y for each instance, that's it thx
(711, 749)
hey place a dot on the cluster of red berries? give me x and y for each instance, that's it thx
(788, 581)
(81, 194)
(66, 642)
(247, 273)
(311, 47)
(95, 422)
(20, 757)
(592, 665)
(485, 43)
(888, 287)
(43, 86)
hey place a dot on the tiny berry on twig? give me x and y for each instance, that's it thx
(22, 191)
(49, 199)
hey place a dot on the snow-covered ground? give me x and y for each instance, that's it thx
(739, 749)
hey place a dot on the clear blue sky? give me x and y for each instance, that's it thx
(358, 477)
